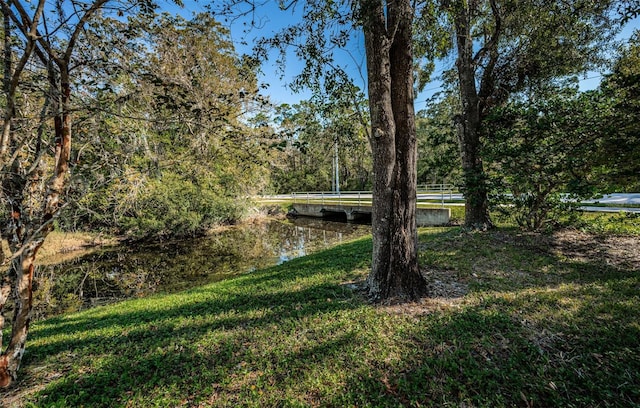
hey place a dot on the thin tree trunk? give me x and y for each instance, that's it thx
(29, 232)
(62, 127)
(7, 85)
(24, 264)
(394, 273)
(23, 268)
(5, 292)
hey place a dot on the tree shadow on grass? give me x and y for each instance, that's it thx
(509, 260)
(491, 355)
(563, 335)
(270, 289)
(107, 353)
(193, 364)
(541, 326)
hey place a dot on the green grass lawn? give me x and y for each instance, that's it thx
(516, 319)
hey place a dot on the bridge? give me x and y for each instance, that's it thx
(356, 205)
(425, 217)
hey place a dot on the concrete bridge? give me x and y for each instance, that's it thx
(425, 217)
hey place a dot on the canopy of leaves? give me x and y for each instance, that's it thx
(438, 155)
(521, 46)
(170, 147)
(308, 135)
(581, 144)
(620, 163)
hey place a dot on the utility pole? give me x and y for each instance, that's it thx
(337, 167)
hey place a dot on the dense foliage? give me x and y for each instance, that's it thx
(504, 48)
(170, 149)
(438, 150)
(620, 166)
(173, 134)
(539, 150)
(313, 135)
(554, 146)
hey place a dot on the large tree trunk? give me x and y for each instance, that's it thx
(475, 185)
(395, 273)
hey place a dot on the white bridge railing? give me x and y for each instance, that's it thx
(331, 197)
(435, 191)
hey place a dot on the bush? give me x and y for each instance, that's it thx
(167, 205)
(538, 151)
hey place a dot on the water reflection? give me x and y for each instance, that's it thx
(135, 271)
(310, 234)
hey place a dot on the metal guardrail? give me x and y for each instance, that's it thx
(365, 197)
(326, 197)
(436, 188)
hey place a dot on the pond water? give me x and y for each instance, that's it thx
(122, 272)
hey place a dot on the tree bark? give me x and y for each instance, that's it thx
(7, 86)
(23, 267)
(388, 43)
(28, 230)
(468, 124)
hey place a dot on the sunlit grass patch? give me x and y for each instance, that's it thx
(543, 323)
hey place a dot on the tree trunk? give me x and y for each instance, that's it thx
(394, 273)
(475, 186)
(62, 127)
(29, 231)
(26, 246)
(23, 268)
(7, 85)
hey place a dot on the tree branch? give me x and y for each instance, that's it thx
(491, 45)
(35, 234)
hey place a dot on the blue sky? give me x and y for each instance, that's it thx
(269, 19)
